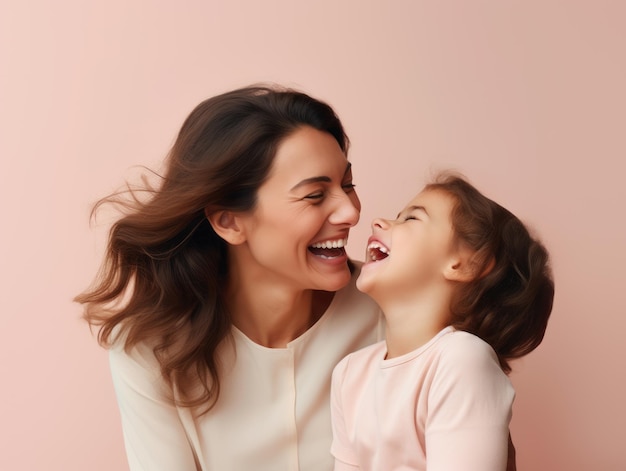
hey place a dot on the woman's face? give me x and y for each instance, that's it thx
(298, 229)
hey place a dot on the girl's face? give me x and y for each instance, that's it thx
(298, 229)
(408, 256)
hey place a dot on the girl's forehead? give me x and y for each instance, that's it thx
(426, 195)
(432, 200)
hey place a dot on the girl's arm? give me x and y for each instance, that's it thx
(341, 447)
(341, 466)
(470, 404)
(153, 433)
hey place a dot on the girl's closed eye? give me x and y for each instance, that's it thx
(348, 187)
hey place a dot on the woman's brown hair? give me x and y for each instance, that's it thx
(164, 268)
(510, 300)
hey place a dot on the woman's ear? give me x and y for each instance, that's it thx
(227, 225)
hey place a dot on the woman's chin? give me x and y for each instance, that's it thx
(337, 281)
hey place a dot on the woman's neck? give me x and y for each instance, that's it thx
(273, 316)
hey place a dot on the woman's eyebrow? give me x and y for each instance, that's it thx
(325, 179)
(348, 169)
(308, 181)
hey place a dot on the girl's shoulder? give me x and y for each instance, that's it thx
(463, 346)
(466, 358)
(366, 358)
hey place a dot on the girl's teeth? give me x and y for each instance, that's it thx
(376, 252)
(375, 245)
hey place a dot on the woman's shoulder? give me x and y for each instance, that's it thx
(136, 357)
(141, 354)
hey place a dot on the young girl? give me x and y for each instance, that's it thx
(464, 289)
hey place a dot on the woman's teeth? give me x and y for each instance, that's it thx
(329, 249)
(330, 244)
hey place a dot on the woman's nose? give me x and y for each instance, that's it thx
(348, 210)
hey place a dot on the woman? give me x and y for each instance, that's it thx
(226, 296)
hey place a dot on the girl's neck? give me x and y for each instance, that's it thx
(409, 325)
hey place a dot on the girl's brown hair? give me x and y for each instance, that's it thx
(164, 267)
(510, 300)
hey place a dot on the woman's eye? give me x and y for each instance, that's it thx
(348, 187)
(408, 218)
(314, 196)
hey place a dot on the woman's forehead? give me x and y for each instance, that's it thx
(309, 153)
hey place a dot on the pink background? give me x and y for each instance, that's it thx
(526, 98)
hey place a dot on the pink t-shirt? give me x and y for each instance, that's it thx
(447, 404)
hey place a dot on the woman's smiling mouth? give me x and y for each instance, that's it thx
(329, 249)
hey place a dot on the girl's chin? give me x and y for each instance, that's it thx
(371, 278)
(364, 284)
(369, 286)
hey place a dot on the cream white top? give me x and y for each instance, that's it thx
(273, 413)
(446, 406)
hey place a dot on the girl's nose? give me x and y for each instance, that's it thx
(380, 223)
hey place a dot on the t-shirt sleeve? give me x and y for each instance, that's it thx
(341, 448)
(154, 437)
(469, 409)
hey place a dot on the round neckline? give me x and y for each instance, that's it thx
(299, 339)
(414, 353)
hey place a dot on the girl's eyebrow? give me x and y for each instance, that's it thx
(325, 179)
(413, 208)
